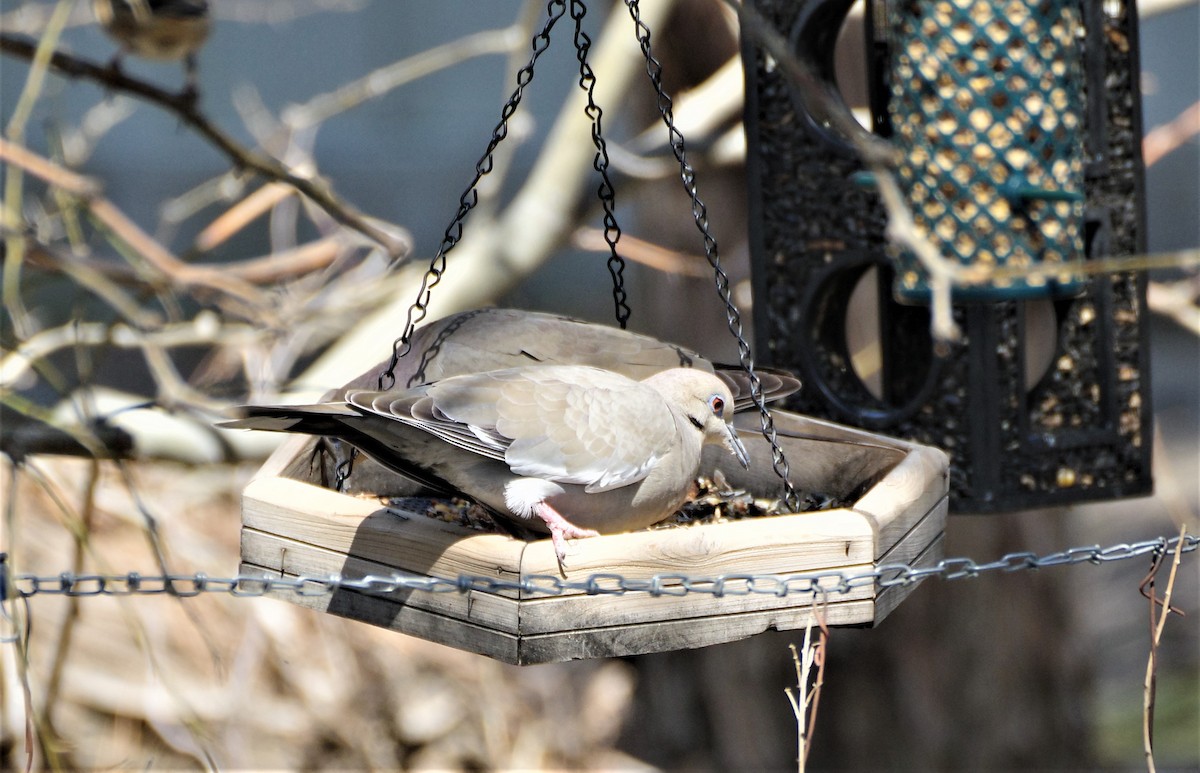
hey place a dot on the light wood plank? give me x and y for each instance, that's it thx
(914, 542)
(282, 556)
(618, 641)
(402, 619)
(922, 543)
(776, 545)
(782, 544)
(534, 616)
(906, 493)
(890, 598)
(364, 528)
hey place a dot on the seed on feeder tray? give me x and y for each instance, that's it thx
(456, 510)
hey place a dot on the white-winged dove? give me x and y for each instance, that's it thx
(574, 450)
(492, 339)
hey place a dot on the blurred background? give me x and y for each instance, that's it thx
(1033, 670)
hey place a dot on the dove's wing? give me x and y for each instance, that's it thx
(566, 424)
(495, 339)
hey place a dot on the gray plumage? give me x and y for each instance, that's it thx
(492, 339)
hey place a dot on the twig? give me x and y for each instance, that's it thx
(128, 232)
(647, 253)
(73, 523)
(14, 240)
(67, 630)
(702, 110)
(804, 699)
(1177, 300)
(188, 112)
(375, 84)
(35, 732)
(240, 215)
(1157, 624)
(1168, 137)
(205, 329)
(1180, 259)
(102, 278)
(943, 274)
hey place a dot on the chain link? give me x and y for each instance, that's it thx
(700, 216)
(833, 581)
(605, 191)
(470, 197)
(454, 231)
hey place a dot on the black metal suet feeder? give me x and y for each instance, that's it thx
(1018, 125)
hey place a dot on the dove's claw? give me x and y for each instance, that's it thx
(561, 530)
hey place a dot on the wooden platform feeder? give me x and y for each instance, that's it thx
(291, 528)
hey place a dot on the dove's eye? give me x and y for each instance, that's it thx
(717, 404)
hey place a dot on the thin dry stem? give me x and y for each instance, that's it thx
(186, 110)
(14, 239)
(1160, 610)
(125, 230)
(646, 253)
(1164, 139)
(205, 329)
(810, 667)
(67, 629)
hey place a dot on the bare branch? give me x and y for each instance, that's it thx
(188, 112)
(647, 253)
(1164, 139)
(127, 231)
(495, 253)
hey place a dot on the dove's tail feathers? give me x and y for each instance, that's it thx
(322, 419)
(337, 420)
(776, 384)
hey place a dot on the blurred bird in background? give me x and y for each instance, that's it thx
(157, 29)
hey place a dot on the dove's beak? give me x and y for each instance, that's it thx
(734, 444)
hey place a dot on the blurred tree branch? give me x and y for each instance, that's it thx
(189, 113)
(145, 246)
(499, 250)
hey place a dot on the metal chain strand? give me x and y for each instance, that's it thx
(700, 216)
(827, 582)
(605, 191)
(341, 473)
(470, 197)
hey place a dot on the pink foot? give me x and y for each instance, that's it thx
(561, 530)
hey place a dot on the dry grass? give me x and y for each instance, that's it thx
(167, 683)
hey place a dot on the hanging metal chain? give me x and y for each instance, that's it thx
(605, 191)
(700, 215)
(341, 473)
(470, 197)
(834, 581)
(453, 233)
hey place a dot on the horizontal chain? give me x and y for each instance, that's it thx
(834, 581)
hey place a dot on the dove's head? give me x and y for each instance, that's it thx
(707, 404)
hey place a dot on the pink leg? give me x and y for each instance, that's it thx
(561, 530)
